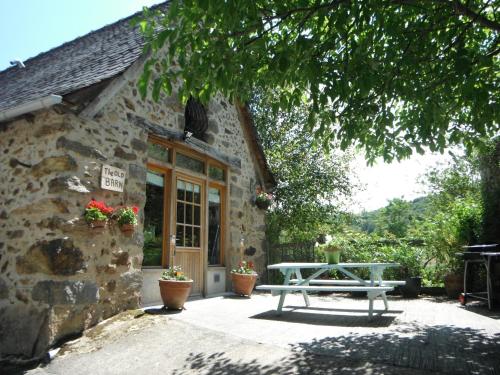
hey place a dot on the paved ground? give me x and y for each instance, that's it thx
(232, 335)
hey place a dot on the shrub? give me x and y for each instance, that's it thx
(365, 248)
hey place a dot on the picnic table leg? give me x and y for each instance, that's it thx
(283, 292)
(386, 303)
(371, 297)
(370, 307)
(304, 293)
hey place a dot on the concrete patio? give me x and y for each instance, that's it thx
(233, 335)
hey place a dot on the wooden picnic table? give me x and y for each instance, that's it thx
(374, 287)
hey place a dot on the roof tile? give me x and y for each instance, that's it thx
(87, 60)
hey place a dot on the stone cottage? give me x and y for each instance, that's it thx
(69, 121)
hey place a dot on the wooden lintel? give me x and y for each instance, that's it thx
(175, 136)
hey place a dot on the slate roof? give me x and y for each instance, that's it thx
(85, 61)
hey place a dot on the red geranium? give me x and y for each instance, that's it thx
(101, 206)
(120, 209)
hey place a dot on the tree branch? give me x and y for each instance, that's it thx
(458, 7)
(463, 10)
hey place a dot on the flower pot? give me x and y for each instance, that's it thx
(454, 284)
(332, 255)
(412, 287)
(264, 205)
(127, 228)
(174, 293)
(97, 224)
(243, 283)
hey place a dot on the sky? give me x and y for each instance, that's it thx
(29, 27)
(385, 181)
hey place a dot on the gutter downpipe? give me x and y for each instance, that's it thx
(31, 106)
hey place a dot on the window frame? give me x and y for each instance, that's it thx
(223, 232)
(171, 172)
(166, 213)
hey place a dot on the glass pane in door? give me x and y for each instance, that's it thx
(153, 219)
(188, 217)
(214, 226)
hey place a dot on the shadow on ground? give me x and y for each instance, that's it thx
(412, 350)
(161, 311)
(474, 306)
(334, 317)
(482, 309)
(235, 296)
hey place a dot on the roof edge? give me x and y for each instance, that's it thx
(260, 156)
(31, 106)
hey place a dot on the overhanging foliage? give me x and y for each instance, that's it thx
(390, 75)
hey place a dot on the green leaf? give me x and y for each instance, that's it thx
(401, 66)
(143, 84)
(157, 84)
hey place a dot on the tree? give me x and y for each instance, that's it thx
(490, 190)
(392, 76)
(311, 184)
(454, 212)
(395, 218)
(460, 180)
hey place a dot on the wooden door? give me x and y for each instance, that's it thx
(189, 228)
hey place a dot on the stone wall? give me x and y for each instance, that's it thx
(57, 275)
(225, 135)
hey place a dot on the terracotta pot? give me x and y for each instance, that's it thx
(454, 284)
(97, 224)
(127, 228)
(243, 283)
(174, 293)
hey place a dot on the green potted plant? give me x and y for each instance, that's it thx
(127, 218)
(97, 213)
(244, 278)
(332, 250)
(175, 287)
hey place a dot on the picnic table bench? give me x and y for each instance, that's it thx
(375, 287)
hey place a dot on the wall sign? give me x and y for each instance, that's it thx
(112, 178)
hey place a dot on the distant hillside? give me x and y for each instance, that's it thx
(369, 220)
